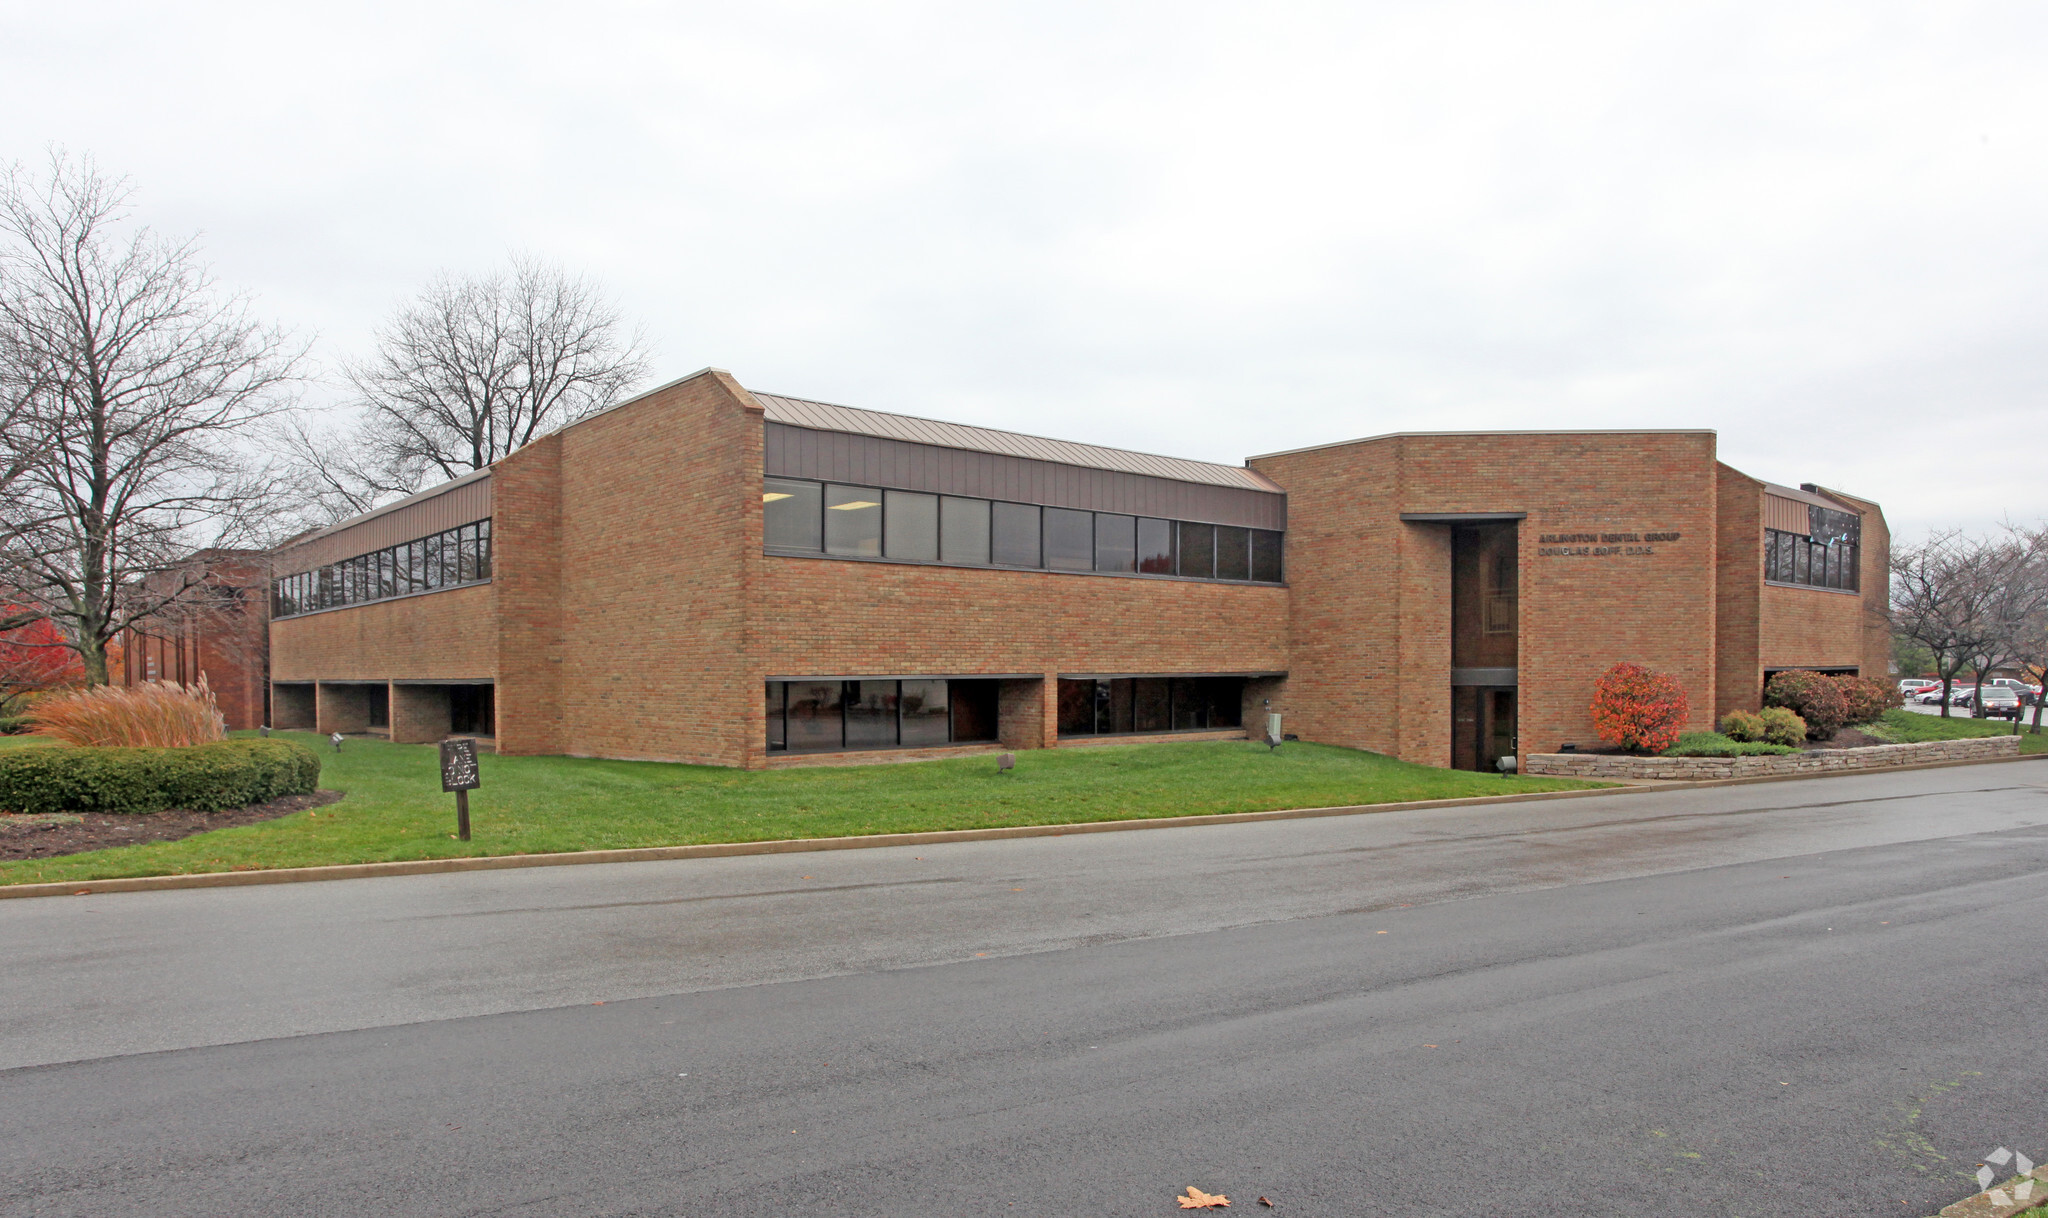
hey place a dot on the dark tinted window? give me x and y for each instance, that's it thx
(791, 514)
(776, 739)
(1233, 553)
(1116, 545)
(926, 719)
(1152, 705)
(963, 530)
(1198, 550)
(870, 714)
(1155, 546)
(1014, 535)
(853, 521)
(911, 525)
(1266, 555)
(1069, 539)
(1077, 708)
(814, 715)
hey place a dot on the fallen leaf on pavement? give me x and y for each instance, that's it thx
(1264, 1202)
(1199, 1200)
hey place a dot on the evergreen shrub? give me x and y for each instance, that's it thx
(1744, 726)
(1867, 700)
(1714, 744)
(1814, 697)
(204, 777)
(1782, 726)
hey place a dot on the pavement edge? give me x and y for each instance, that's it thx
(649, 854)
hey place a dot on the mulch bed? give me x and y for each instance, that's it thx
(42, 837)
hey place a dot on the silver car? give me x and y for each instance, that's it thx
(1997, 702)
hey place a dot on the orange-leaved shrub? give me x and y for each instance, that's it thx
(154, 714)
(1814, 697)
(1639, 709)
(1868, 700)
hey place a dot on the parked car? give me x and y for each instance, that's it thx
(1912, 687)
(1929, 697)
(1997, 702)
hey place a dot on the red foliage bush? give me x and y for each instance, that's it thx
(1867, 700)
(1639, 709)
(1814, 697)
(34, 658)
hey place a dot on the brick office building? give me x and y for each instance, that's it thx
(217, 629)
(710, 575)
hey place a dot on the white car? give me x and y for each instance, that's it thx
(1929, 697)
(1913, 687)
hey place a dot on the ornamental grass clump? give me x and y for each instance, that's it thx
(154, 714)
(1639, 709)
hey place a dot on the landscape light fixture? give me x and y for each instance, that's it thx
(1006, 763)
(337, 741)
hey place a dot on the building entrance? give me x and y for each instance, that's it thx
(1482, 726)
(1485, 623)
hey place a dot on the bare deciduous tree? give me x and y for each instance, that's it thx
(472, 370)
(1941, 598)
(2022, 606)
(131, 376)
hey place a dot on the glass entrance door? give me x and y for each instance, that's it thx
(1482, 726)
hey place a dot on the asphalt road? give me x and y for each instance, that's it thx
(1807, 997)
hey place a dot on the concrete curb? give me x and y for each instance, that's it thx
(1999, 1202)
(359, 871)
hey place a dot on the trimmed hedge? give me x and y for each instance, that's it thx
(14, 725)
(204, 777)
(1714, 744)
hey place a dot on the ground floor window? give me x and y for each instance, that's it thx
(829, 716)
(1116, 706)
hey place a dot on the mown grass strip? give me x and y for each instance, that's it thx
(531, 805)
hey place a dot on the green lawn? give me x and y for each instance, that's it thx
(1905, 727)
(395, 808)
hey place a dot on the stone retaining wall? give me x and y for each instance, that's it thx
(1874, 757)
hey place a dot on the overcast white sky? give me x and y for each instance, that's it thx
(1207, 230)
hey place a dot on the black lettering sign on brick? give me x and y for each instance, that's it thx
(458, 765)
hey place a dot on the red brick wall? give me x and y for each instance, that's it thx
(1371, 595)
(442, 636)
(660, 528)
(526, 579)
(833, 618)
(1739, 565)
(1824, 627)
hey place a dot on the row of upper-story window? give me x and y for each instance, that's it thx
(804, 517)
(1790, 558)
(448, 559)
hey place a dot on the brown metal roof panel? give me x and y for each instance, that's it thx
(825, 416)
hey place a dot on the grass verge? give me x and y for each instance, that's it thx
(534, 805)
(1905, 727)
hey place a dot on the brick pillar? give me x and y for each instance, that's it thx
(419, 713)
(1257, 691)
(341, 708)
(526, 578)
(1023, 714)
(1425, 647)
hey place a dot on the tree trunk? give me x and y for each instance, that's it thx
(92, 652)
